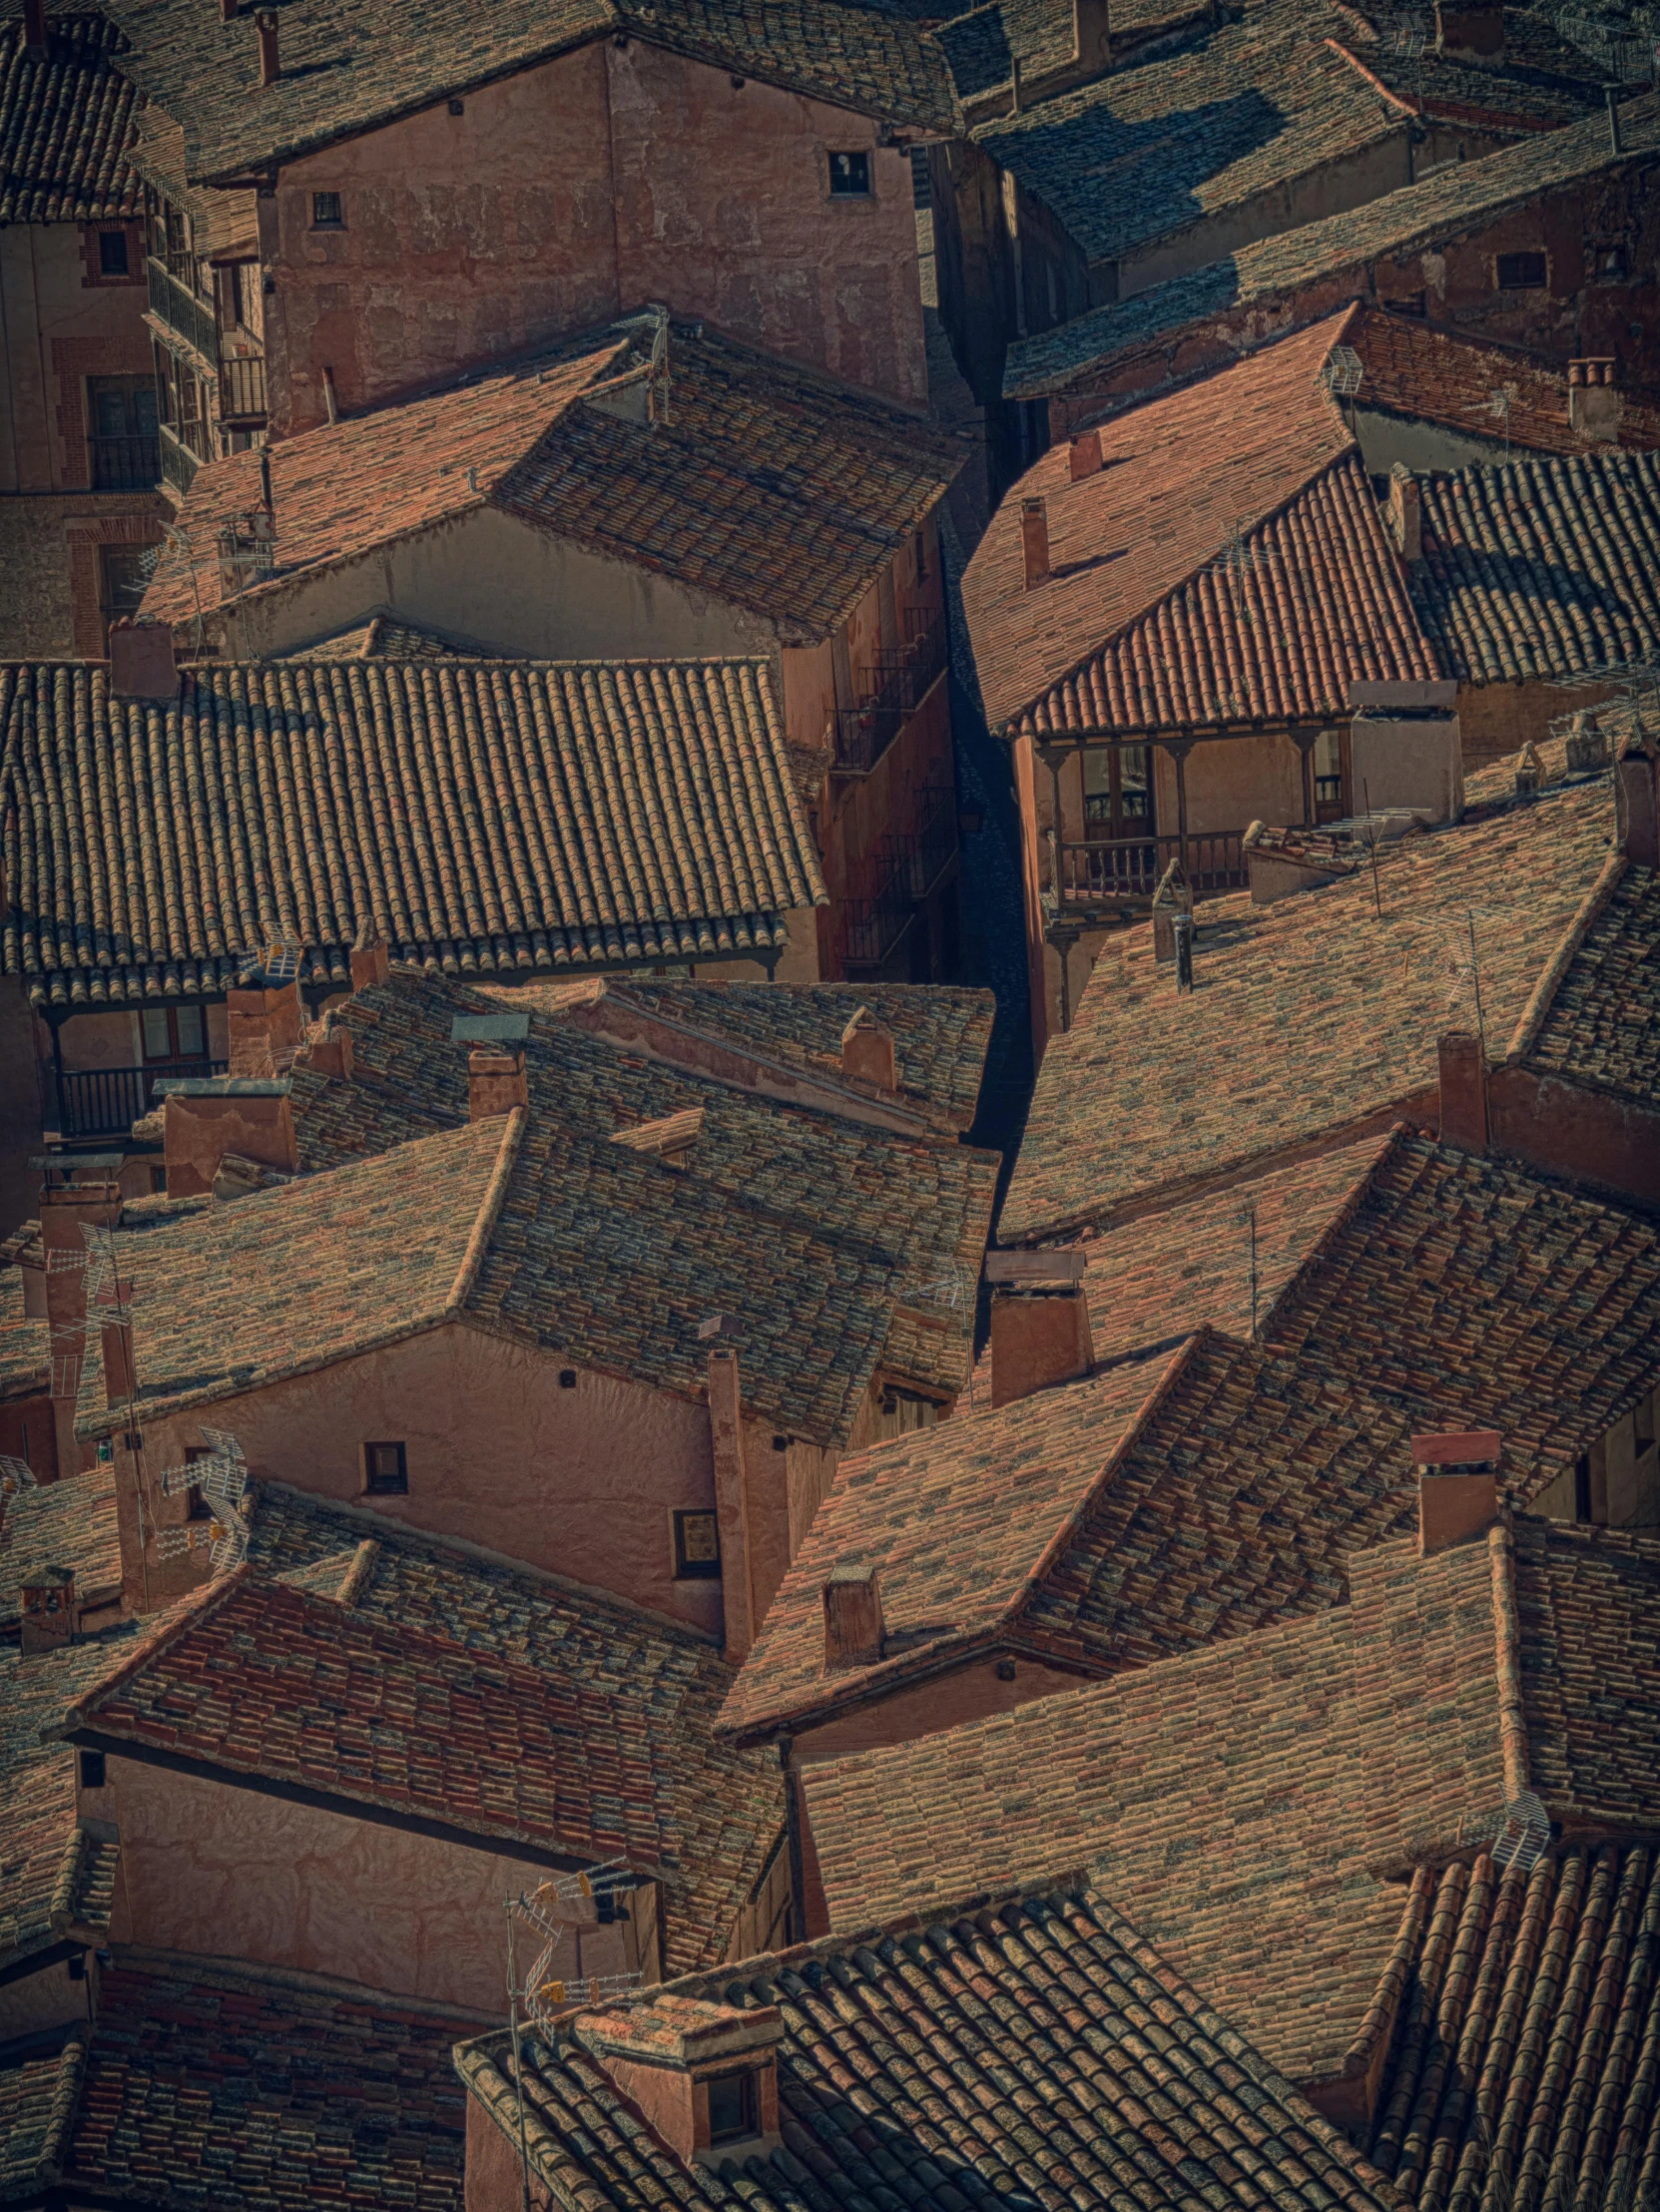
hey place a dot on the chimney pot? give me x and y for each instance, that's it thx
(496, 1080)
(141, 660)
(867, 1053)
(1172, 902)
(1034, 540)
(852, 1617)
(1407, 512)
(1463, 1090)
(265, 22)
(1038, 1337)
(1085, 455)
(1530, 770)
(50, 1616)
(1457, 1488)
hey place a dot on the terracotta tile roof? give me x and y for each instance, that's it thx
(1277, 1048)
(1241, 1802)
(1422, 215)
(496, 817)
(213, 2084)
(1474, 1293)
(348, 68)
(1160, 1504)
(815, 1236)
(1541, 567)
(1137, 627)
(1239, 108)
(1525, 2008)
(771, 486)
(1025, 2047)
(269, 1680)
(40, 1856)
(982, 44)
(383, 636)
(1601, 1027)
(25, 1343)
(39, 2084)
(66, 1523)
(1416, 368)
(622, 1677)
(1540, 82)
(66, 119)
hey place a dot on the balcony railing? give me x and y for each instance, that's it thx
(896, 683)
(126, 464)
(1122, 869)
(105, 1102)
(177, 307)
(179, 463)
(905, 866)
(242, 389)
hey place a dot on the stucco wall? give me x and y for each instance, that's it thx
(1569, 1129)
(233, 1873)
(567, 195)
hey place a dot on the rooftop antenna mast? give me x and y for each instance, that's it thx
(221, 1480)
(15, 1475)
(107, 1301)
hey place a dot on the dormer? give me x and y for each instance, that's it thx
(703, 2076)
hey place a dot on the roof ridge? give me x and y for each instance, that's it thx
(200, 1606)
(1512, 1710)
(1338, 1221)
(489, 1213)
(1376, 82)
(1535, 1014)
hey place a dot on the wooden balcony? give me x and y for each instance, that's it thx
(1125, 872)
(179, 463)
(176, 305)
(105, 1102)
(894, 687)
(242, 390)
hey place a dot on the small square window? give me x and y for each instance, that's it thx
(385, 1473)
(850, 176)
(327, 212)
(567, 1378)
(696, 1547)
(92, 1769)
(1613, 265)
(196, 1505)
(112, 254)
(1522, 273)
(730, 2107)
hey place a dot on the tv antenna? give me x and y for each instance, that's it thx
(1238, 559)
(220, 1480)
(1520, 1830)
(15, 1475)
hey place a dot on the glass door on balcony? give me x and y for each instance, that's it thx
(173, 1034)
(1118, 795)
(1328, 769)
(120, 412)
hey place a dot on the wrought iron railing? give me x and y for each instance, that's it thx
(177, 307)
(126, 464)
(105, 1102)
(895, 685)
(1130, 867)
(179, 463)
(904, 866)
(242, 389)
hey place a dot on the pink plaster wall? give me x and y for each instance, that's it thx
(231, 1872)
(565, 194)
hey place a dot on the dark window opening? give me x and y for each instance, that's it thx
(123, 575)
(172, 1032)
(1522, 271)
(850, 176)
(92, 1769)
(1411, 303)
(112, 254)
(385, 1470)
(732, 2108)
(121, 417)
(196, 1505)
(780, 1444)
(327, 212)
(696, 1547)
(1582, 1488)
(567, 1378)
(921, 555)
(77, 1963)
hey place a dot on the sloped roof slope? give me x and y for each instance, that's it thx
(25, 1340)
(1602, 1026)
(70, 1522)
(491, 816)
(1140, 622)
(1028, 2046)
(66, 121)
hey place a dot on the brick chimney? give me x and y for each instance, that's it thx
(371, 962)
(1091, 36)
(1407, 512)
(64, 1208)
(50, 1615)
(1594, 402)
(1463, 1090)
(205, 1117)
(1457, 1488)
(331, 1051)
(867, 1054)
(1639, 803)
(852, 1617)
(731, 1487)
(271, 68)
(264, 1022)
(496, 1081)
(1041, 1331)
(1034, 540)
(705, 2076)
(1471, 30)
(1084, 455)
(141, 660)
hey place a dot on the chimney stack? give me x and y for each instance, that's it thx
(265, 22)
(1457, 1488)
(497, 1078)
(205, 1117)
(65, 1208)
(867, 1054)
(265, 1025)
(1587, 746)
(1530, 770)
(1407, 512)
(1172, 903)
(1041, 1331)
(1471, 30)
(1463, 1090)
(141, 662)
(1638, 801)
(49, 1612)
(34, 27)
(853, 1618)
(732, 1488)
(1084, 455)
(371, 962)
(1091, 37)
(1034, 540)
